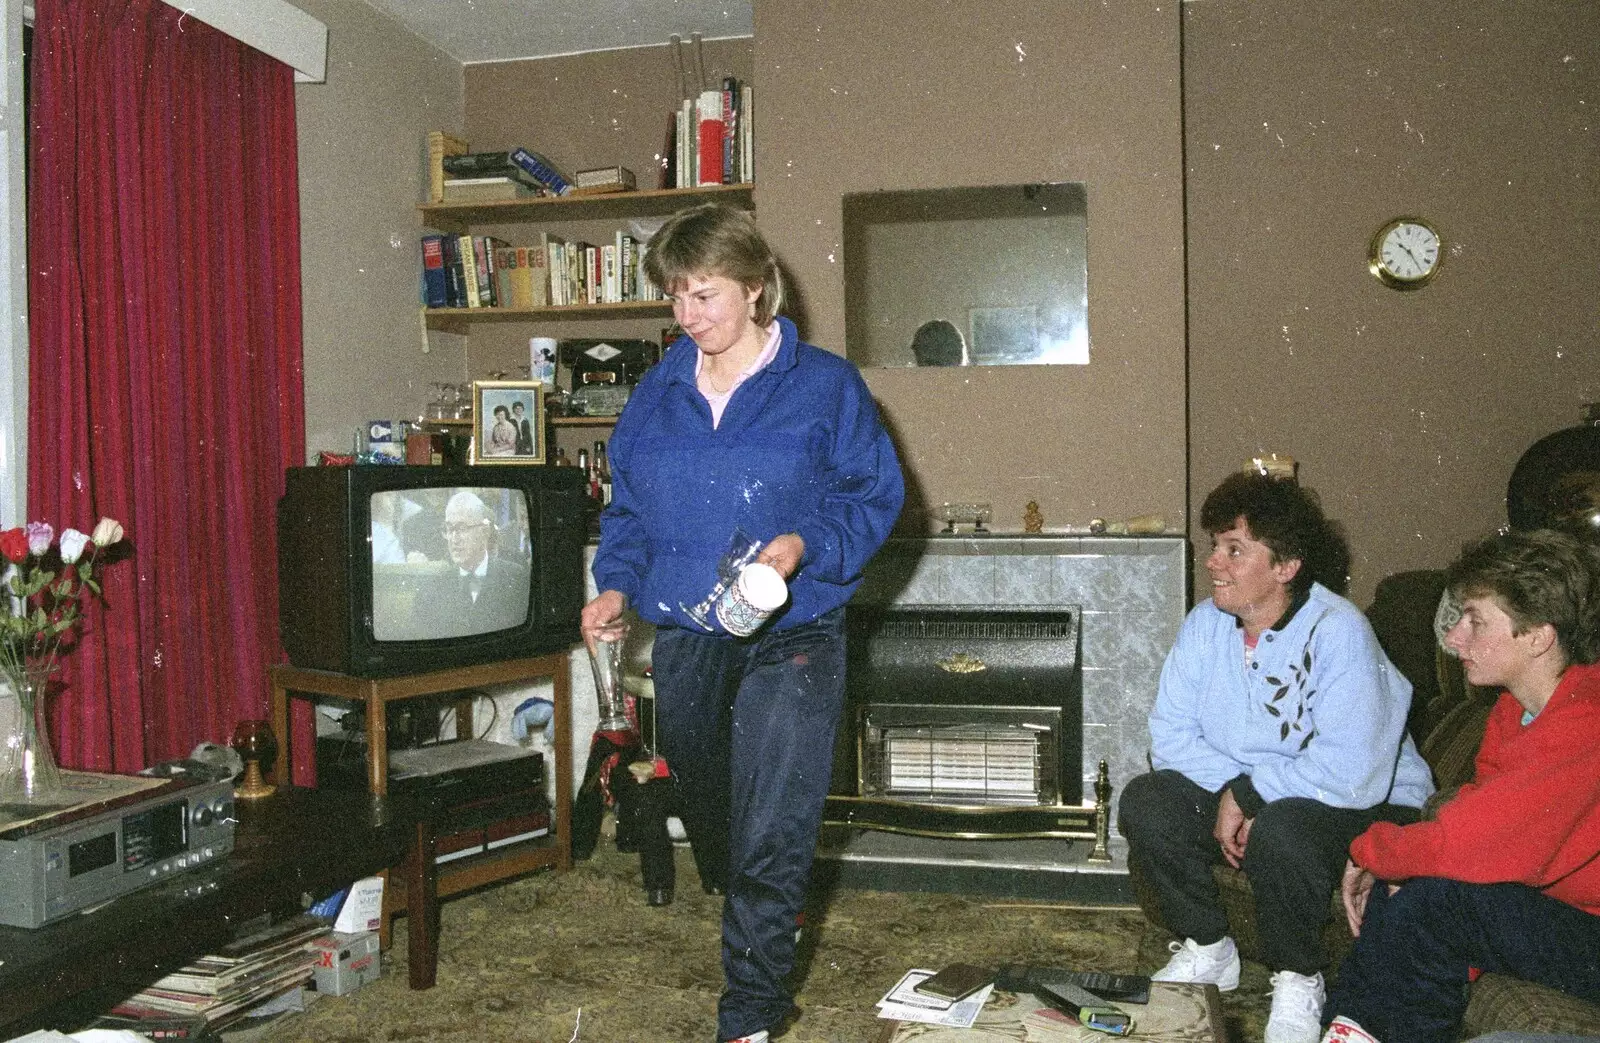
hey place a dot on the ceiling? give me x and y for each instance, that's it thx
(503, 30)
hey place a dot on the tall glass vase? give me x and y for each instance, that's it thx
(28, 771)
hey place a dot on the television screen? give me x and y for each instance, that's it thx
(386, 571)
(449, 562)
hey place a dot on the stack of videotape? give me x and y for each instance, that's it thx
(484, 795)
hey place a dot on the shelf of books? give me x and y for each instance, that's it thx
(455, 320)
(457, 216)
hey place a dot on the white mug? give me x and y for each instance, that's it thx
(751, 599)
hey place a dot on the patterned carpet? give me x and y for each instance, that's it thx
(580, 957)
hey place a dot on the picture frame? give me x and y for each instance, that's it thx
(516, 439)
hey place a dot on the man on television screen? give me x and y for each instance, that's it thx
(480, 591)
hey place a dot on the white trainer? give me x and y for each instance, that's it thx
(1343, 1030)
(759, 1037)
(1215, 964)
(1296, 1009)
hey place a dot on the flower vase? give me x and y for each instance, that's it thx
(28, 771)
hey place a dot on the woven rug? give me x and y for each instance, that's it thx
(579, 956)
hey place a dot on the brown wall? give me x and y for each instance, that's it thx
(593, 110)
(362, 172)
(1305, 127)
(1310, 125)
(855, 97)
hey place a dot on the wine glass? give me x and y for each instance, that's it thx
(438, 409)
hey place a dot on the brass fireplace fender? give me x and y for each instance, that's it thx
(986, 822)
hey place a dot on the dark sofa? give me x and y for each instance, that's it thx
(1447, 719)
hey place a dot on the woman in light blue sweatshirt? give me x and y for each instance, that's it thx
(1278, 735)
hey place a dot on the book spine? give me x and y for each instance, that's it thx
(667, 169)
(709, 158)
(505, 270)
(542, 171)
(483, 249)
(686, 143)
(454, 280)
(440, 145)
(730, 131)
(608, 267)
(538, 265)
(469, 271)
(593, 281)
(433, 281)
(747, 134)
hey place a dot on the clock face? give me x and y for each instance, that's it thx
(1406, 253)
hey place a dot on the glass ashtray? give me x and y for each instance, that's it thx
(955, 515)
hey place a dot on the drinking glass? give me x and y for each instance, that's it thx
(605, 645)
(438, 408)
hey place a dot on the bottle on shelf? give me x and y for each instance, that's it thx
(561, 458)
(602, 469)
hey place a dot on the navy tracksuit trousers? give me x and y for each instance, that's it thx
(1406, 978)
(747, 727)
(1294, 859)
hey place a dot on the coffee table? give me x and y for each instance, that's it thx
(1175, 1014)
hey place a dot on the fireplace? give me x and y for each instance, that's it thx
(965, 721)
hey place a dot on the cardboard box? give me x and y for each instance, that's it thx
(363, 907)
(345, 962)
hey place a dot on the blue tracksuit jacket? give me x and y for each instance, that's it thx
(800, 449)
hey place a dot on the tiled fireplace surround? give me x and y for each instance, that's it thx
(1130, 590)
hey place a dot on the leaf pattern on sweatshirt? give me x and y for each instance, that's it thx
(1292, 697)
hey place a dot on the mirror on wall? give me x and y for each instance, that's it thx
(989, 276)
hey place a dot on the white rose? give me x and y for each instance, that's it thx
(72, 544)
(106, 533)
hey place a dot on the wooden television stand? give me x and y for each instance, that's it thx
(376, 693)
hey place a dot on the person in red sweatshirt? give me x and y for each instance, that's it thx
(1506, 876)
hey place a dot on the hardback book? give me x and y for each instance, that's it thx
(483, 253)
(611, 287)
(604, 179)
(469, 270)
(730, 130)
(440, 145)
(555, 266)
(485, 189)
(709, 130)
(542, 170)
(433, 279)
(455, 294)
(593, 280)
(667, 168)
(687, 147)
(747, 134)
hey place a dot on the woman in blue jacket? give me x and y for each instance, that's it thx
(742, 426)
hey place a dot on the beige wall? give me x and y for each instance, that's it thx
(1306, 126)
(1309, 126)
(859, 97)
(363, 158)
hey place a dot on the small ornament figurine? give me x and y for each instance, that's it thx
(1032, 518)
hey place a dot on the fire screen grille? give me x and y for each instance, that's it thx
(992, 756)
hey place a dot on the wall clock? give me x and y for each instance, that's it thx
(1405, 254)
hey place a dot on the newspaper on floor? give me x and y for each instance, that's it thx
(904, 1003)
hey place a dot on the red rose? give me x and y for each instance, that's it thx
(14, 544)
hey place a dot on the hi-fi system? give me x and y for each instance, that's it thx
(67, 862)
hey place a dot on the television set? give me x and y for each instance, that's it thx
(390, 570)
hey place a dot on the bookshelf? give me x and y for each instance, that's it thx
(596, 212)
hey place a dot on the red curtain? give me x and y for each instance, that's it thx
(165, 353)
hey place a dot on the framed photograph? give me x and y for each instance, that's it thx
(508, 422)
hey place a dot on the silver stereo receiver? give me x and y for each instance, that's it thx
(63, 863)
